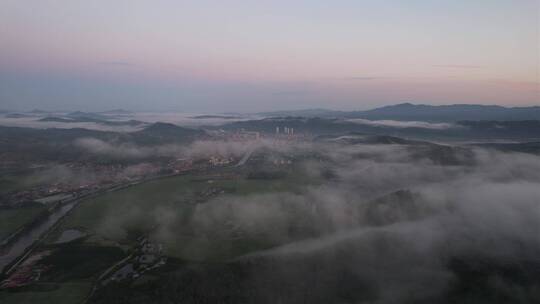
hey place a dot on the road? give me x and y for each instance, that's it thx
(245, 158)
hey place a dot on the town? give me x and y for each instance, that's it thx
(54, 196)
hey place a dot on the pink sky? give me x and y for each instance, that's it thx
(242, 55)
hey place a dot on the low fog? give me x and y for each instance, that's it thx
(393, 226)
(194, 120)
(80, 176)
(404, 124)
(197, 149)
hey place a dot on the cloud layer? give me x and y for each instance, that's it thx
(384, 226)
(403, 124)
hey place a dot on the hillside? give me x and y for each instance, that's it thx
(461, 130)
(420, 112)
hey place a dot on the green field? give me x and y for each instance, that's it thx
(122, 215)
(45, 293)
(73, 269)
(23, 180)
(11, 219)
(15, 182)
(165, 210)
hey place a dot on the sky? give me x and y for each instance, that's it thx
(246, 56)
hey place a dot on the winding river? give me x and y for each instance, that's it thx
(17, 248)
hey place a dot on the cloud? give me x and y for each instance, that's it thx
(387, 227)
(200, 149)
(124, 150)
(97, 146)
(79, 176)
(34, 122)
(486, 212)
(404, 124)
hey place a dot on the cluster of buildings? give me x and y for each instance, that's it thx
(183, 164)
(220, 161)
(147, 256)
(286, 131)
(16, 198)
(82, 178)
(281, 162)
(180, 165)
(238, 135)
(248, 135)
(282, 132)
(289, 133)
(26, 273)
(208, 193)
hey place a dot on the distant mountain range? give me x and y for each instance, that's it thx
(398, 112)
(216, 117)
(130, 122)
(303, 113)
(420, 112)
(456, 131)
(54, 144)
(117, 112)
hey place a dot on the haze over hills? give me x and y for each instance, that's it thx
(117, 112)
(268, 200)
(458, 131)
(422, 112)
(447, 122)
(397, 112)
(291, 152)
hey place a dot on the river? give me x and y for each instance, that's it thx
(17, 248)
